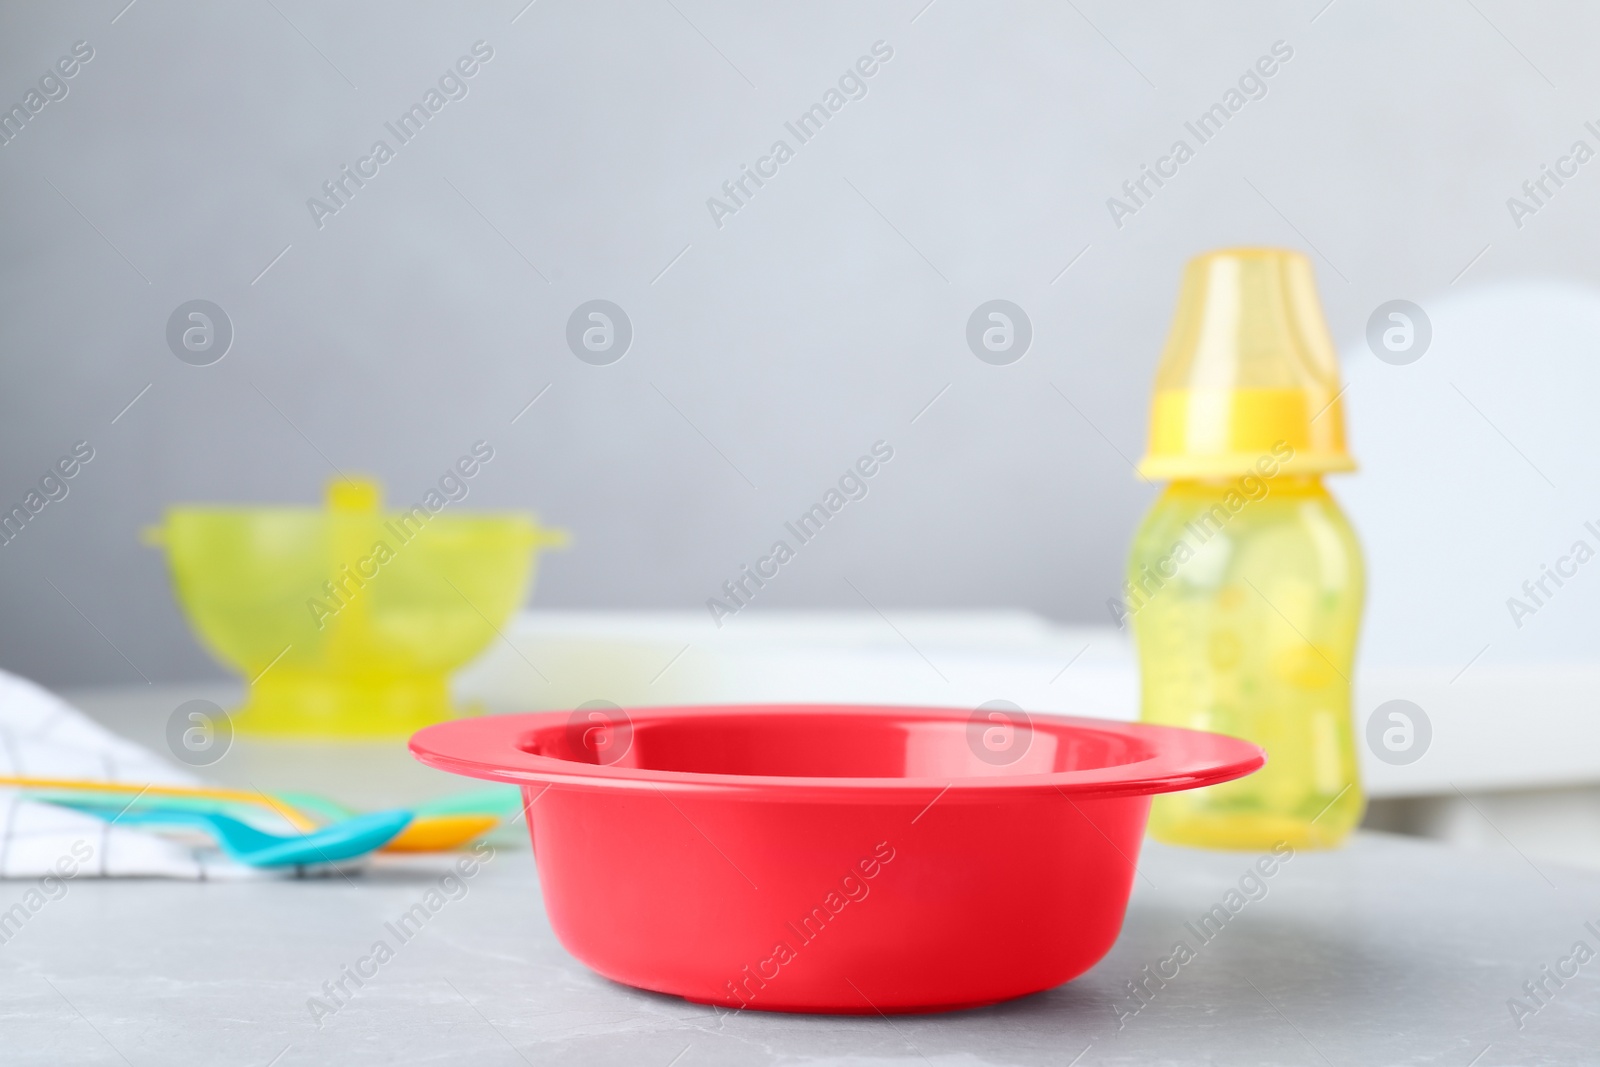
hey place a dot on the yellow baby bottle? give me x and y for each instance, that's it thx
(1245, 583)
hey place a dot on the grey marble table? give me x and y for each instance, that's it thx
(1389, 951)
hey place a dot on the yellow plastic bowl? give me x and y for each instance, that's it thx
(347, 621)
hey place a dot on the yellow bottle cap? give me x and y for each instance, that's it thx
(1249, 372)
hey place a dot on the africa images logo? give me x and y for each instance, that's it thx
(852, 85)
(452, 85)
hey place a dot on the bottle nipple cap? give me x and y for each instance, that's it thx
(1249, 375)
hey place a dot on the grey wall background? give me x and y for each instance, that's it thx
(770, 352)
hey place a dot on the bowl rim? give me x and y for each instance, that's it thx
(489, 747)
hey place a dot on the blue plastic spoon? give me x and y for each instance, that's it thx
(244, 843)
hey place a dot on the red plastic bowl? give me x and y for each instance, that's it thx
(835, 858)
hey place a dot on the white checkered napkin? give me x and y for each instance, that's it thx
(42, 839)
(42, 736)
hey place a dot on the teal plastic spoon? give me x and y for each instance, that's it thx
(329, 844)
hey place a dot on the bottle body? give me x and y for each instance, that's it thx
(1245, 600)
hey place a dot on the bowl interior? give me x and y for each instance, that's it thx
(838, 745)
